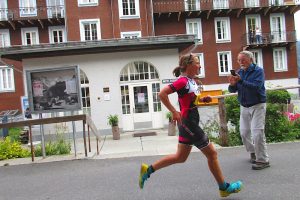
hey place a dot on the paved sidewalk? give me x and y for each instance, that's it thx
(127, 146)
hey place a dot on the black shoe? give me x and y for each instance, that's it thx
(252, 158)
(260, 165)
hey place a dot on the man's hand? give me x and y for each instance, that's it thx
(234, 79)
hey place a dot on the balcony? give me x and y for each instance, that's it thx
(275, 38)
(223, 6)
(31, 15)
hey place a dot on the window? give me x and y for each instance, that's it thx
(129, 8)
(27, 8)
(87, 2)
(125, 99)
(258, 60)
(252, 22)
(278, 33)
(30, 36)
(221, 4)
(6, 79)
(193, 26)
(201, 59)
(224, 62)
(276, 2)
(156, 100)
(85, 93)
(90, 29)
(56, 8)
(280, 59)
(251, 3)
(3, 10)
(56, 34)
(4, 38)
(222, 29)
(191, 5)
(138, 70)
(131, 35)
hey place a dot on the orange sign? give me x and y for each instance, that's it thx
(211, 93)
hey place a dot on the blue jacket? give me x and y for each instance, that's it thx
(251, 89)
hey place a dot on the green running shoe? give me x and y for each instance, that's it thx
(234, 187)
(143, 175)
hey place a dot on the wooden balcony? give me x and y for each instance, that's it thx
(221, 7)
(273, 39)
(21, 17)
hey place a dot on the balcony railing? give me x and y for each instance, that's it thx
(32, 12)
(165, 6)
(275, 37)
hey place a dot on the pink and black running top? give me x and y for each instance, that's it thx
(187, 90)
(190, 132)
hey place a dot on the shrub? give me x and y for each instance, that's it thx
(54, 148)
(12, 149)
(278, 96)
(14, 134)
(277, 126)
(113, 120)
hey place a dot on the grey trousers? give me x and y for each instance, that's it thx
(252, 129)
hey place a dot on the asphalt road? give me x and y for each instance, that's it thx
(117, 179)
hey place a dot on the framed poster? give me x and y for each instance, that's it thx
(53, 90)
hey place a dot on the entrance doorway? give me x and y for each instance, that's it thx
(141, 106)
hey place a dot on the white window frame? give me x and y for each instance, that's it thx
(7, 79)
(84, 21)
(55, 9)
(82, 3)
(283, 62)
(201, 60)
(4, 36)
(257, 24)
(259, 58)
(221, 4)
(198, 34)
(30, 30)
(276, 2)
(226, 28)
(57, 28)
(137, 10)
(251, 3)
(278, 35)
(27, 8)
(220, 62)
(3, 11)
(131, 34)
(191, 5)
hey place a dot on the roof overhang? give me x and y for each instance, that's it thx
(100, 46)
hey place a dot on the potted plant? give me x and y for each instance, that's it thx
(172, 124)
(113, 120)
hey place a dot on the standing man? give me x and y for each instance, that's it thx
(249, 82)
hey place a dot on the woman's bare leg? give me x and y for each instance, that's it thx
(213, 163)
(183, 151)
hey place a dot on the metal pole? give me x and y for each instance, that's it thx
(84, 139)
(89, 138)
(31, 145)
(74, 135)
(43, 137)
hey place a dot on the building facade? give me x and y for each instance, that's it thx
(32, 32)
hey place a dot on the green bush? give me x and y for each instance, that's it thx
(12, 149)
(277, 127)
(14, 134)
(278, 96)
(54, 148)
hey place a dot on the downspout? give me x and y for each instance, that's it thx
(112, 19)
(152, 14)
(66, 26)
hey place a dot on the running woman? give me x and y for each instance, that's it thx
(190, 132)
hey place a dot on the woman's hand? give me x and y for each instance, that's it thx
(176, 117)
